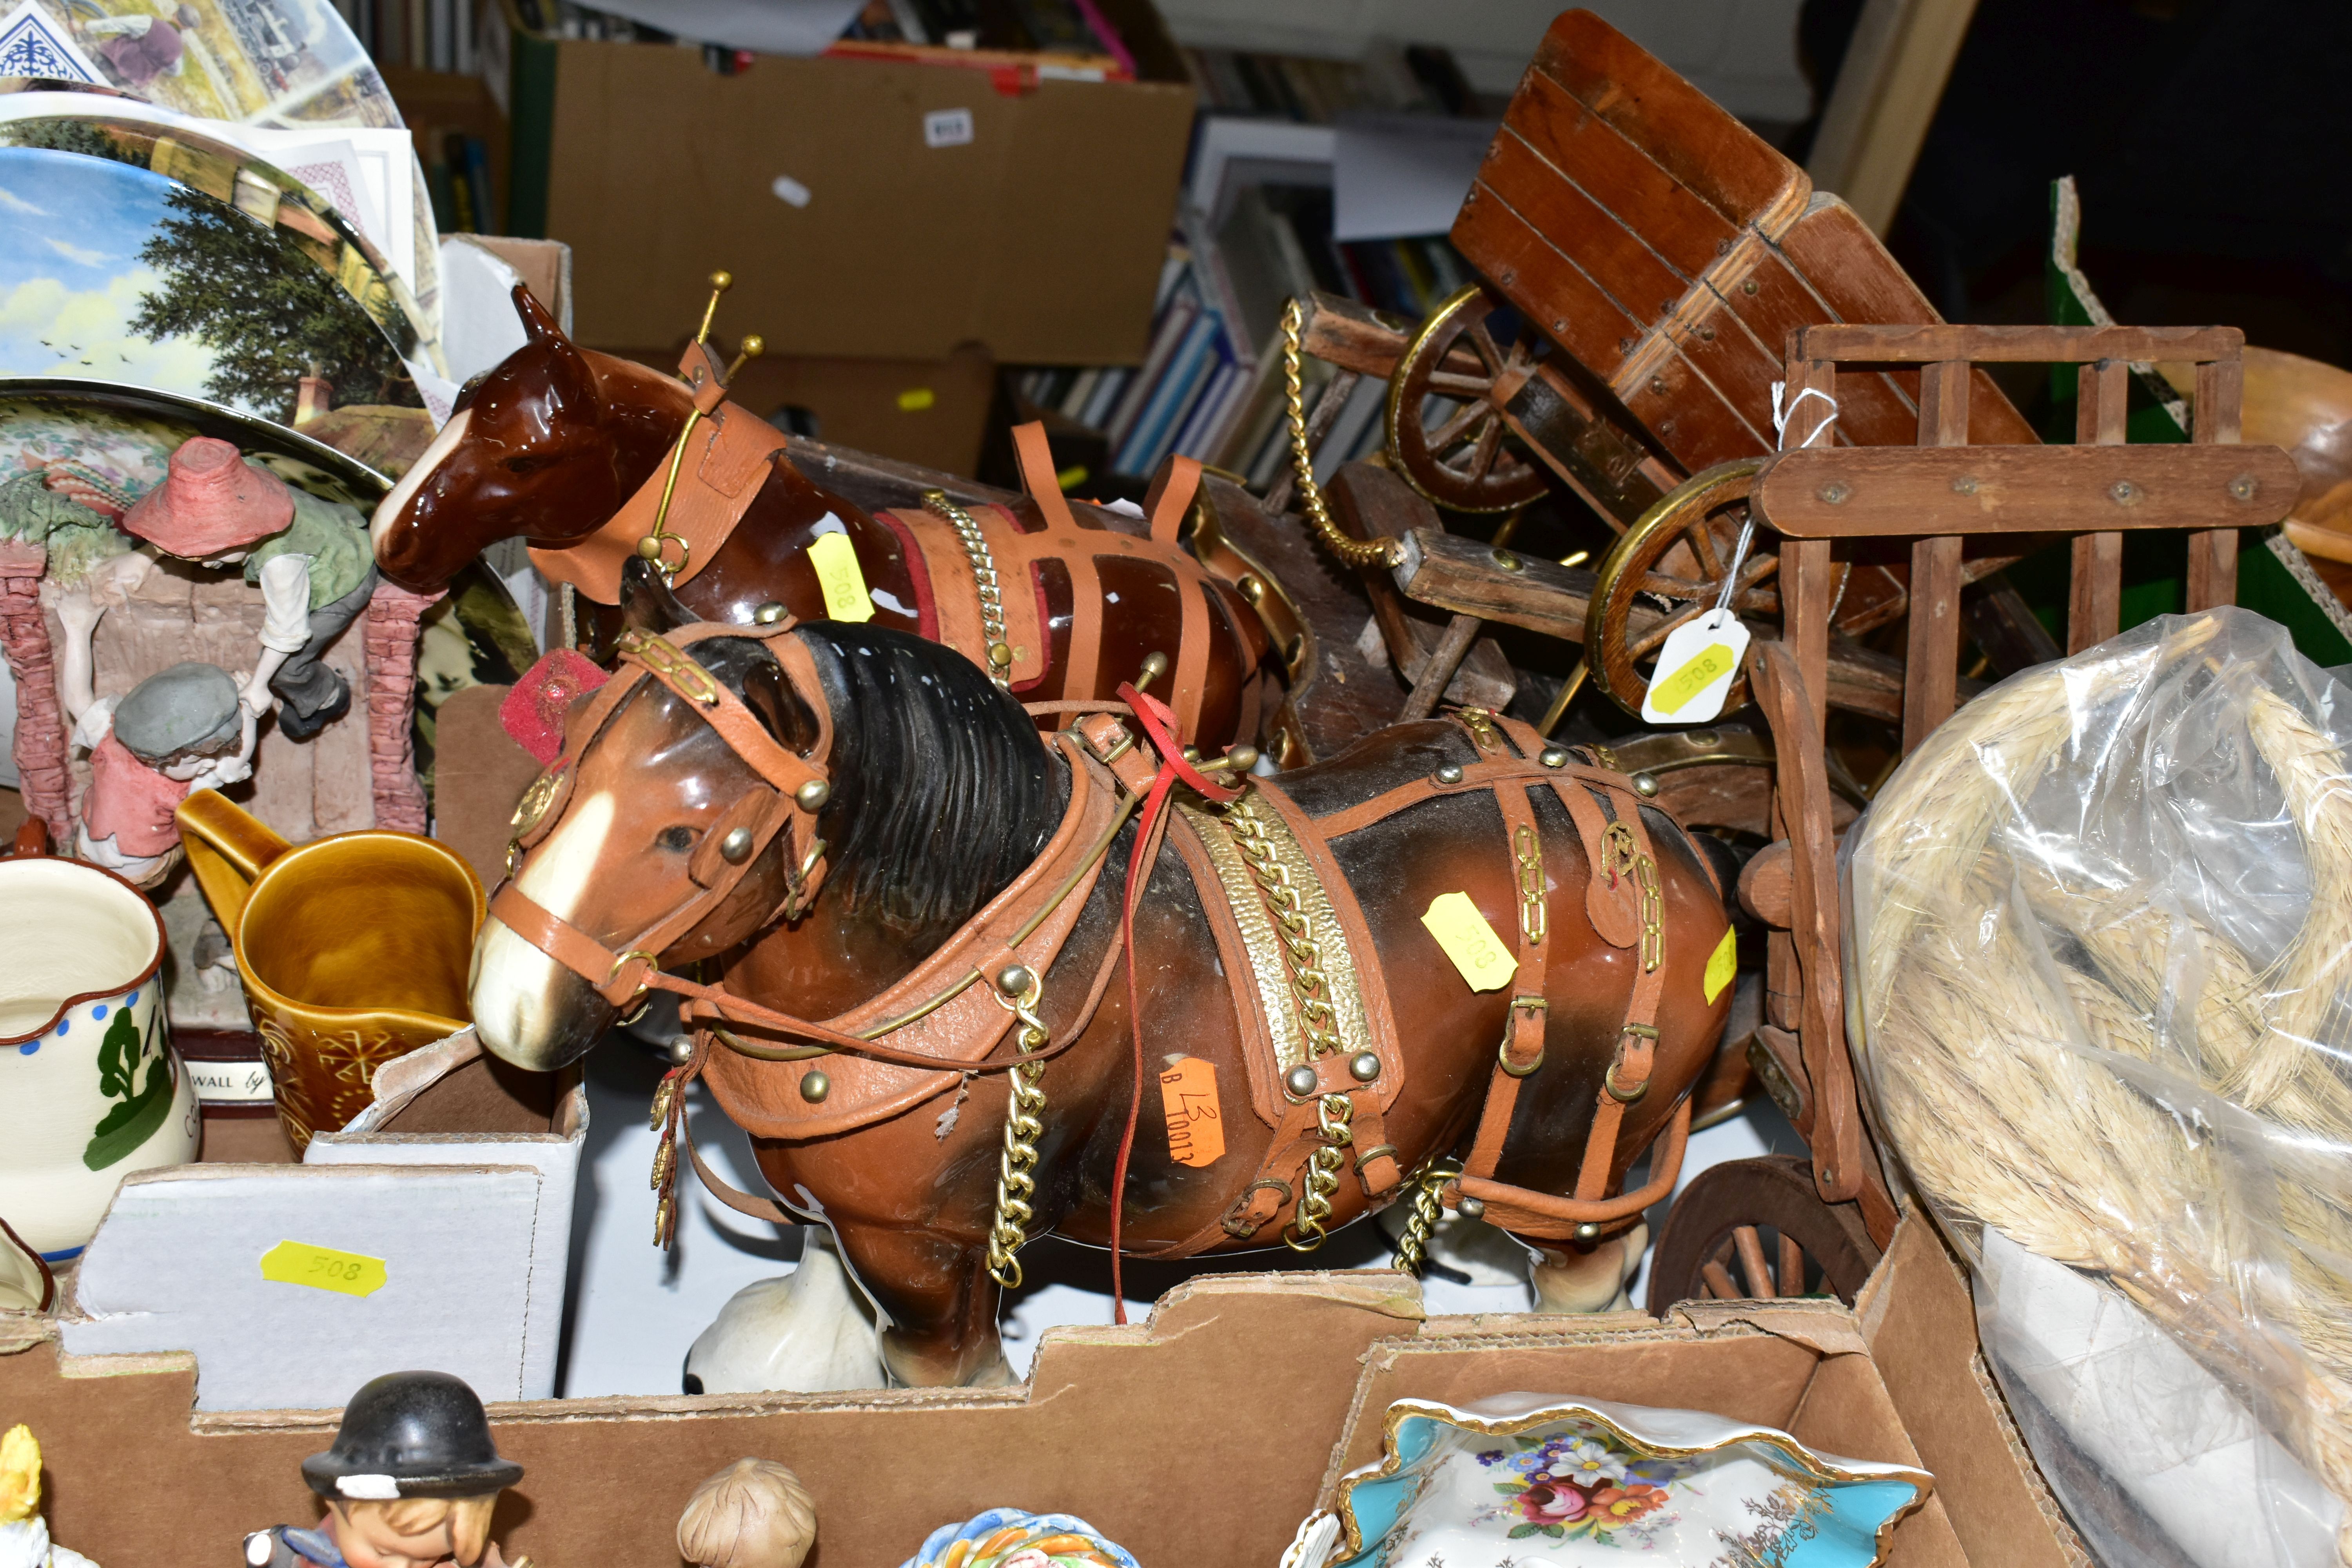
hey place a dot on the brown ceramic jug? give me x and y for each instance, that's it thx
(352, 949)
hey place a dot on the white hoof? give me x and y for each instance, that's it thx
(809, 1331)
(1572, 1279)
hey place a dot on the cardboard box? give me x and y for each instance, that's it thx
(929, 412)
(1204, 1435)
(850, 231)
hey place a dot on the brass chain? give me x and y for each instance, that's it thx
(1353, 551)
(1024, 1121)
(1529, 850)
(1318, 1020)
(984, 571)
(1428, 1208)
(1624, 858)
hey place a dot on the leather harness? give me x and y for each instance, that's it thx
(948, 1017)
(978, 576)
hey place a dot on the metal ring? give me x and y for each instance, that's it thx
(1608, 1082)
(1503, 1059)
(653, 961)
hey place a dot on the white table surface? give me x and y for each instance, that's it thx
(631, 1311)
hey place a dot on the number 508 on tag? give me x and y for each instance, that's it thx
(1696, 669)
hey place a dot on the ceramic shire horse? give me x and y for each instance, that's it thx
(606, 466)
(855, 826)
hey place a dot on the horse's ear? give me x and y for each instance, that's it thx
(537, 323)
(780, 707)
(648, 604)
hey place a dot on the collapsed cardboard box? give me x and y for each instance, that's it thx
(1204, 1435)
(448, 1203)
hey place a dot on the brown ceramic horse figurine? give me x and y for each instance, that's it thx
(933, 801)
(555, 442)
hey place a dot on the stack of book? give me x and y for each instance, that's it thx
(423, 35)
(1254, 231)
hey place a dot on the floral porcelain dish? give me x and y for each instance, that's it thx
(1522, 1479)
(1008, 1538)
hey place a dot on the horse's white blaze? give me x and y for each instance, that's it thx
(514, 985)
(447, 441)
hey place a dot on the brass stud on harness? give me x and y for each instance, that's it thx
(1588, 1231)
(1015, 980)
(1155, 665)
(1645, 785)
(768, 615)
(1300, 1081)
(1471, 1208)
(1451, 774)
(1364, 1067)
(681, 1049)
(817, 792)
(815, 1086)
(736, 847)
(1553, 757)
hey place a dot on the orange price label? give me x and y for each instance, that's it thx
(1196, 1127)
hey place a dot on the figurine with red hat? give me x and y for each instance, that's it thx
(410, 1482)
(309, 558)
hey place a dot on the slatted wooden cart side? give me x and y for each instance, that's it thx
(1937, 494)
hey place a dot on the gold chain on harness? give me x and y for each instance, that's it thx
(984, 571)
(1354, 551)
(1428, 1207)
(1018, 991)
(1318, 1021)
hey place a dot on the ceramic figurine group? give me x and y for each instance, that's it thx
(193, 726)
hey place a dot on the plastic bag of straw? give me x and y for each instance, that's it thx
(2098, 929)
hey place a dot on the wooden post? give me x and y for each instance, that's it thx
(1931, 671)
(2094, 605)
(1884, 98)
(1808, 575)
(2213, 553)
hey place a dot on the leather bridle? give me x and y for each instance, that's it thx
(796, 790)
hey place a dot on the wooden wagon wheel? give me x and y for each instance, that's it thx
(1462, 460)
(1750, 1229)
(1667, 569)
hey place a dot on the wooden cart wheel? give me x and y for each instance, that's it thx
(1445, 429)
(1672, 560)
(1751, 1229)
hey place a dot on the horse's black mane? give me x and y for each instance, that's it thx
(942, 791)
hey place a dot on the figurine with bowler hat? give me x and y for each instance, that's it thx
(410, 1483)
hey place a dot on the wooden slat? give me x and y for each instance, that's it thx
(2094, 593)
(2033, 345)
(2213, 552)
(1933, 664)
(1689, 416)
(1898, 492)
(1808, 577)
(1793, 1267)
(1456, 573)
(1692, 138)
(1851, 279)
(1532, 272)
(1592, 163)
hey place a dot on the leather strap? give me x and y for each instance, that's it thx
(1170, 497)
(1034, 455)
(1522, 1050)
(729, 454)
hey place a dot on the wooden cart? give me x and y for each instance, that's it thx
(1947, 498)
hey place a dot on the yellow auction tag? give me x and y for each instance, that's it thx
(1671, 694)
(835, 559)
(322, 1269)
(915, 399)
(1694, 670)
(1484, 962)
(1721, 965)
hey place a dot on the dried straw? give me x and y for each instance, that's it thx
(2012, 1075)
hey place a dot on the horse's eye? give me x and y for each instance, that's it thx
(525, 462)
(465, 398)
(676, 840)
